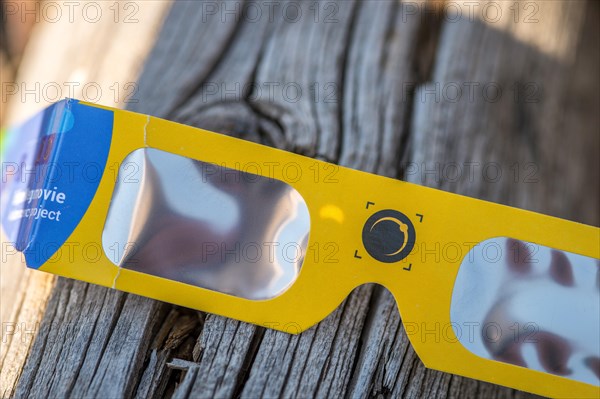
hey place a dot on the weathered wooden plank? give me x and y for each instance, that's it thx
(176, 339)
(520, 126)
(221, 376)
(125, 345)
(29, 292)
(185, 61)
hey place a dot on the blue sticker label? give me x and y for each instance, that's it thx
(51, 168)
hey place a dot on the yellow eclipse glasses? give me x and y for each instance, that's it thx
(235, 228)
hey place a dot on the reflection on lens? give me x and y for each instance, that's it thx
(531, 306)
(209, 226)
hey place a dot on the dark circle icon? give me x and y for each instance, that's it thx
(388, 236)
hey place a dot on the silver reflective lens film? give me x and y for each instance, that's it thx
(532, 306)
(198, 223)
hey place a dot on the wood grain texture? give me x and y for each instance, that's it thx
(373, 64)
